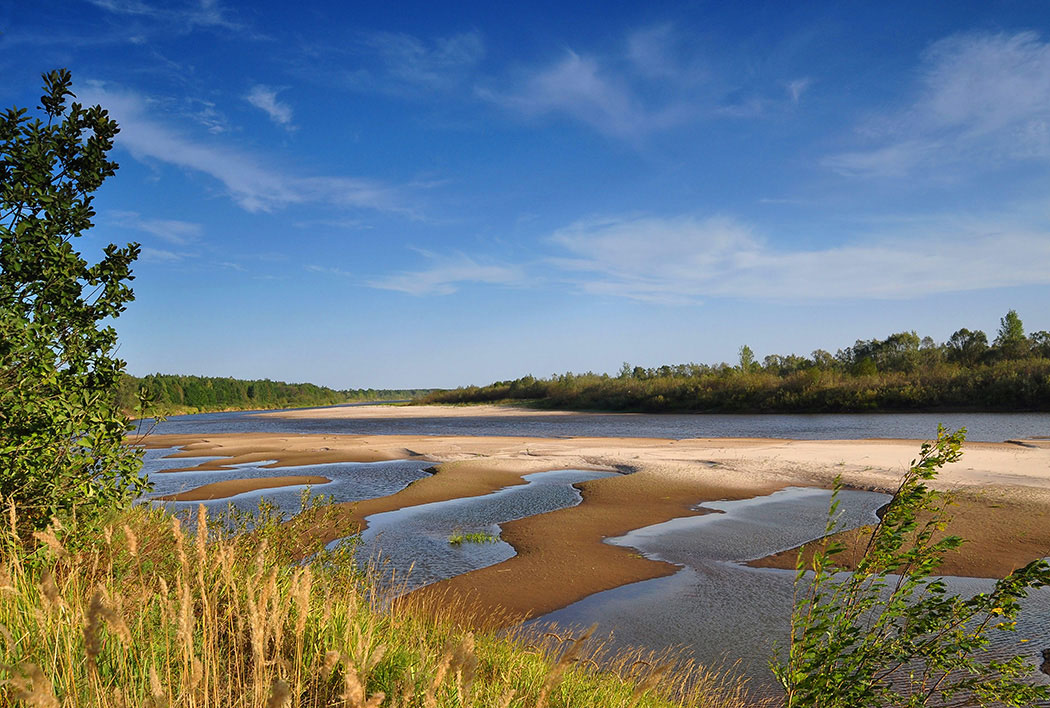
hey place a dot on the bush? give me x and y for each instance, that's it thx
(62, 451)
(888, 634)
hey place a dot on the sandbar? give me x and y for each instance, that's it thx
(483, 410)
(231, 487)
(561, 556)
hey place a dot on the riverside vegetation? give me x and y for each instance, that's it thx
(172, 394)
(900, 373)
(103, 603)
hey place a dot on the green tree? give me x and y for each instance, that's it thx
(1040, 344)
(62, 451)
(966, 347)
(747, 359)
(1010, 341)
(887, 634)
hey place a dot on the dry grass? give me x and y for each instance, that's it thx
(144, 614)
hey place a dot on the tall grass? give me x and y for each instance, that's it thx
(145, 613)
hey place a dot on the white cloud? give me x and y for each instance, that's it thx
(684, 259)
(265, 99)
(158, 255)
(447, 274)
(171, 230)
(798, 87)
(254, 185)
(982, 100)
(579, 86)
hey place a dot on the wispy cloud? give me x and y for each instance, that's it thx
(399, 63)
(446, 274)
(164, 256)
(185, 15)
(658, 79)
(682, 260)
(173, 231)
(797, 87)
(981, 100)
(265, 99)
(578, 85)
(247, 178)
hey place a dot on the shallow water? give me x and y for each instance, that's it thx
(993, 427)
(719, 611)
(350, 481)
(413, 543)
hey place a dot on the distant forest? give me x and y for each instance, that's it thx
(174, 393)
(900, 373)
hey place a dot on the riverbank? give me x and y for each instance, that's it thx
(561, 556)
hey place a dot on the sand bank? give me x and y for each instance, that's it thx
(230, 487)
(560, 555)
(424, 411)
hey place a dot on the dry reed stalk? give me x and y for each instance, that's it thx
(202, 528)
(260, 556)
(31, 686)
(48, 538)
(562, 666)
(12, 518)
(331, 660)
(50, 598)
(7, 583)
(354, 693)
(185, 622)
(506, 698)
(157, 698)
(98, 612)
(430, 695)
(280, 695)
(9, 640)
(132, 540)
(302, 586)
(649, 683)
(180, 550)
(465, 664)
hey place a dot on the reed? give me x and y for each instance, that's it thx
(146, 614)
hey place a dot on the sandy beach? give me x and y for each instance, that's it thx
(1003, 493)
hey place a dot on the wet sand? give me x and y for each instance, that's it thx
(561, 556)
(231, 487)
(1004, 527)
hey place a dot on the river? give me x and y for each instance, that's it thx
(984, 427)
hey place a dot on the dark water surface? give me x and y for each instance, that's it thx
(988, 427)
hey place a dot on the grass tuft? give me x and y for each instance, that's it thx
(458, 538)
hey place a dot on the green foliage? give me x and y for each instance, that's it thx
(1011, 342)
(888, 634)
(173, 393)
(61, 434)
(902, 372)
(458, 538)
(747, 359)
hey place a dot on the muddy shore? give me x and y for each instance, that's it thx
(1003, 491)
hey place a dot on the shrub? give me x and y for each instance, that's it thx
(888, 634)
(62, 451)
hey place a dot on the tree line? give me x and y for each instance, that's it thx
(901, 372)
(175, 393)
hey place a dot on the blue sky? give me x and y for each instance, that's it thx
(430, 194)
